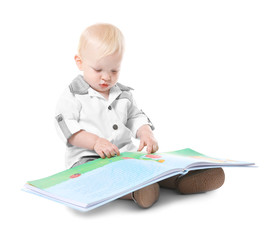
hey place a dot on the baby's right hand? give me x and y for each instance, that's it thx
(105, 148)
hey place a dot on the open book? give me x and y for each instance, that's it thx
(98, 182)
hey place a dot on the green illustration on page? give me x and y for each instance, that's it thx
(95, 183)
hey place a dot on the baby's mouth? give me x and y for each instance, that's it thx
(104, 85)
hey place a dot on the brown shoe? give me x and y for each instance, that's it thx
(147, 196)
(200, 181)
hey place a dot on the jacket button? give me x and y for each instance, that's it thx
(115, 127)
(109, 107)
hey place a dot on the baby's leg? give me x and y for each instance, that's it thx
(196, 181)
(127, 197)
(145, 197)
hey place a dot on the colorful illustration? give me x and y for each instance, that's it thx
(78, 170)
(95, 183)
(150, 157)
(75, 175)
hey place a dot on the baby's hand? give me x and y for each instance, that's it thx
(105, 148)
(147, 139)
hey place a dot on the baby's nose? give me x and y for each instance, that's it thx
(106, 76)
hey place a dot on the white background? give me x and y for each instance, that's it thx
(206, 74)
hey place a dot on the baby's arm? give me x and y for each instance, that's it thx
(67, 115)
(147, 139)
(141, 128)
(91, 141)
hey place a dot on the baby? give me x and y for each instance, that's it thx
(97, 117)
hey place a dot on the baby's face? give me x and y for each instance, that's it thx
(102, 74)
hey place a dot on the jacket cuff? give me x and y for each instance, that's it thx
(138, 123)
(66, 127)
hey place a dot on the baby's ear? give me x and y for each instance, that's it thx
(78, 62)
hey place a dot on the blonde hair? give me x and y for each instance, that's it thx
(107, 38)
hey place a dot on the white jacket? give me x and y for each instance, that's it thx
(116, 119)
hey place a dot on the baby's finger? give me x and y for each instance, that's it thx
(116, 150)
(149, 148)
(101, 154)
(141, 146)
(112, 152)
(107, 153)
(156, 147)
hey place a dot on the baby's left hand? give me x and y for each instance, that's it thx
(147, 139)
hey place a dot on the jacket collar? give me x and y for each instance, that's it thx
(81, 87)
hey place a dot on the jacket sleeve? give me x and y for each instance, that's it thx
(137, 118)
(67, 116)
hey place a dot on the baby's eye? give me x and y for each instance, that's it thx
(114, 71)
(97, 70)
